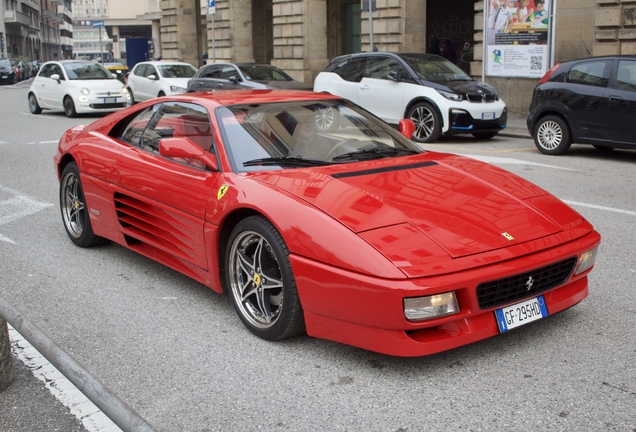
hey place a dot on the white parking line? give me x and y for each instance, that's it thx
(40, 116)
(93, 419)
(17, 207)
(598, 207)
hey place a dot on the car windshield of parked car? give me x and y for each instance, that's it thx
(435, 68)
(306, 133)
(5, 64)
(264, 73)
(86, 71)
(177, 71)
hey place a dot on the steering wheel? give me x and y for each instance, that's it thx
(334, 151)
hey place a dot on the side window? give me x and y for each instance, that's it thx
(626, 76)
(56, 69)
(210, 72)
(140, 70)
(594, 73)
(46, 71)
(170, 120)
(354, 70)
(379, 67)
(151, 70)
(227, 72)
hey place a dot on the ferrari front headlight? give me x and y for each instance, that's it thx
(423, 308)
(586, 261)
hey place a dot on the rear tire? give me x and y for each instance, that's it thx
(552, 135)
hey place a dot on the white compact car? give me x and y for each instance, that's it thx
(77, 87)
(153, 79)
(437, 95)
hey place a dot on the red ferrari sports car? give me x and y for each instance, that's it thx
(316, 216)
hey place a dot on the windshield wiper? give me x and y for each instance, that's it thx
(286, 160)
(376, 153)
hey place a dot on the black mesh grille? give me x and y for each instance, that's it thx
(506, 290)
(481, 98)
(108, 105)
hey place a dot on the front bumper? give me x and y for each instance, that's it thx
(368, 312)
(101, 104)
(462, 121)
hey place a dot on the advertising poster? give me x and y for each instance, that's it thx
(517, 38)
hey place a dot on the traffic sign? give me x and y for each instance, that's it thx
(98, 24)
(211, 7)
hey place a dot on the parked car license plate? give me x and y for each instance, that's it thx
(521, 313)
(488, 116)
(110, 100)
(5, 76)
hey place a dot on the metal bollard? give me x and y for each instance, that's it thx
(7, 375)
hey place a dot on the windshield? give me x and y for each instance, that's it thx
(86, 71)
(264, 73)
(303, 133)
(5, 63)
(435, 68)
(177, 71)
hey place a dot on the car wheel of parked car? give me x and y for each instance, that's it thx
(161, 94)
(602, 148)
(74, 212)
(326, 119)
(552, 136)
(69, 107)
(485, 135)
(428, 126)
(34, 107)
(132, 97)
(261, 282)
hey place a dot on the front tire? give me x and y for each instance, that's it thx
(34, 107)
(428, 126)
(552, 136)
(75, 215)
(69, 107)
(261, 282)
(132, 97)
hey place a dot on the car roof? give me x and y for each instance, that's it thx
(385, 53)
(164, 62)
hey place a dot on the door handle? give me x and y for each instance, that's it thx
(364, 87)
(615, 98)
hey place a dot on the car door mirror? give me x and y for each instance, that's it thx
(114, 75)
(234, 79)
(393, 76)
(55, 77)
(152, 77)
(184, 148)
(406, 128)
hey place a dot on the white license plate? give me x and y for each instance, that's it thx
(521, 313)
(488, 116)
(5, 76)
(110, 100)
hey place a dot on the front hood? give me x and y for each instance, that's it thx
(471, 87)
(286, 85)
(463, 211)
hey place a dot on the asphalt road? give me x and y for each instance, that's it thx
(176, 352)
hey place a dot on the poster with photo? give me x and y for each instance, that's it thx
(518, 37)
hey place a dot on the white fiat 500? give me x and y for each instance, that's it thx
(428, 89)
(77, 87)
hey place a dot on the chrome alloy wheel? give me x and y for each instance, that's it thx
(256, 281)
(424, 122)
(549, 135)
(73, 205)
(325, 118)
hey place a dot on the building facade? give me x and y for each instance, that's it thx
(301, 36)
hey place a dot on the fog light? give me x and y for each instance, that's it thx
(586, 261)
(422, 308)
(83, 99)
